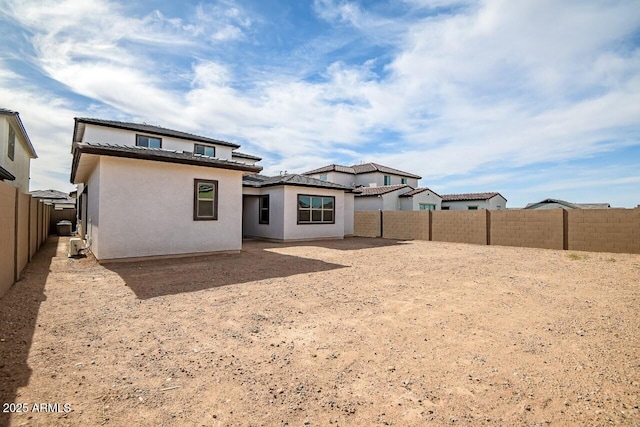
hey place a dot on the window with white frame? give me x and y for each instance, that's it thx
(204, 150)
(427, 207)
(387, 180)
(316, 209)
(148, 141)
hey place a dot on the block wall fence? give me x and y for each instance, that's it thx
(24, 227)
(595, 230)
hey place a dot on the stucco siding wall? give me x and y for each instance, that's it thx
(406, 203)
(275, 228)
(106, 135)
(295, 231)
(368, 203)
(348, 214)
(605, 230)
(146, 209)
(464, 206)
(377, 178)
(92, 216)
(20, 165)
(497, 203)
(340, 178)
(529, 228)
(425, 197)
(391, 201)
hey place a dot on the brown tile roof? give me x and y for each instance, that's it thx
(154, 154)
(143, 127)
(380, 190)
(362, 168)
(468, 196)
(418, 191)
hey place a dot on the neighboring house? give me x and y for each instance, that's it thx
(473, 201)
(556, 203)
(385, 198)
(16, 150)
(296, 207)
(150, 191)
(64, 206)
(420, 199)
(59, 199)
(366, 174)
(376, 187)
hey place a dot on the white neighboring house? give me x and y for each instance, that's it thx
(16, 151)
(295, 207)
(473, 201)
(556, 203)
(150, 191)
(366, 175)
(385, 198)
(420, 199)
(59, 199)
(376, 187)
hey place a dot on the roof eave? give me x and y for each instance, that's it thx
(79, 149)
(156, 132)
(6, 175)
(23, 131)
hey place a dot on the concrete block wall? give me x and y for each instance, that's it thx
(24, 203)
(367, 223)
(459, 226)
(596, 230)
(406, 225)
(7, 241)
(528, 228)
(33, 227)
(604, 230)
(24, 226)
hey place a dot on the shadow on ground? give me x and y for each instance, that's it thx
(154, 278)
(18, 319)
(346, 244)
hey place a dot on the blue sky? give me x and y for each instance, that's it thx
(531, 98)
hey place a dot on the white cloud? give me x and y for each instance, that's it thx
(469, 85)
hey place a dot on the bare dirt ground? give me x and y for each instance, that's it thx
(354, 332)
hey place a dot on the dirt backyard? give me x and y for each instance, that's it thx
(354, 332)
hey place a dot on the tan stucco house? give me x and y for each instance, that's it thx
(16, 151)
